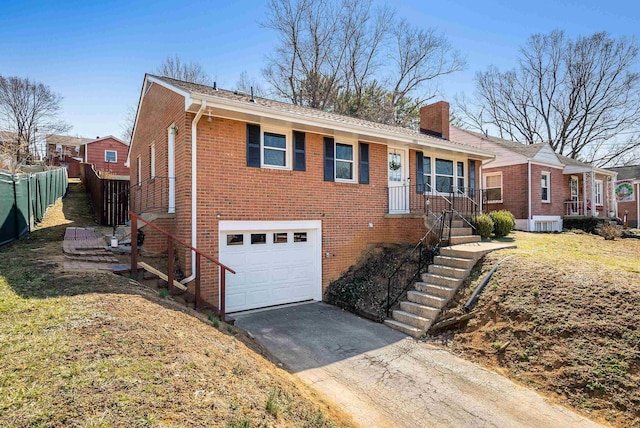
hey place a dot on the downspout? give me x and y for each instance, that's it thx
(480, 186)
(529, 195)
(194, 190)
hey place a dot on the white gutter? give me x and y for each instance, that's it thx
(529, 194)
(194, 190)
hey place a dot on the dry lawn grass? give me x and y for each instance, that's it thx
(568, 306)
(97, 350)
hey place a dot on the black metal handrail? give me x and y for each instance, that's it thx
(437, 227)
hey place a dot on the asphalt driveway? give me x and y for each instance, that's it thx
(385, 379)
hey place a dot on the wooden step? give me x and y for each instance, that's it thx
(151, 269)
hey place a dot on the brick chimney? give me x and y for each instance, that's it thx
(434, 119)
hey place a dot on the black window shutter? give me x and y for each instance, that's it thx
(364, 163)
(328, 159)
(253, 145)
(419, 173)
(299, 156)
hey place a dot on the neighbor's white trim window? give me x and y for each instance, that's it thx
(599, 192)
(275, 149)
(493, 186)
(110, 156)
(152, 155)
(545, 186)
(344, 162)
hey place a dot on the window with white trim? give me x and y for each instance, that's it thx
(460, 176)
(546, 187)
(344, 161)
(493, 186)
(598, 192)
(110, 156)
(275, 149)
(444, 175)
(152, 153)
(426, 171)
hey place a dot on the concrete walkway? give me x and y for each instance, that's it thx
(385, 379)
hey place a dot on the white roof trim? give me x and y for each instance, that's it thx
(105, 138)
(267, 112)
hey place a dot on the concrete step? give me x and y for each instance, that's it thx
(426, 299)
(405, 328)
(461, 252)
(466, 239)
(424, 311)
(455, 262)
(461, 231)
(434, 290)
(452, 272)
(446, 281)
(411, 319)
(458, 223)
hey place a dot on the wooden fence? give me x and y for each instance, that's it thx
(109, 197)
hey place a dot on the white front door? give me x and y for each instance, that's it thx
(398, 173)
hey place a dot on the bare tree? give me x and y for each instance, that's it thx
(174, 68)
(129, 121)
(249, 85)
(27, 109)
(346, 56)
(578, 95)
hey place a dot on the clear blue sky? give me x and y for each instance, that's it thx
(95, 54)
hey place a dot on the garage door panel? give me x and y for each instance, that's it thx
(270, 273)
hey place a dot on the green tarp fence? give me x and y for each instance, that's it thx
(24, 198)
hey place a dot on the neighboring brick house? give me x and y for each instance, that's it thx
(538, 186)
(627, 193)
(288, 196)
(106, 154)
(64, 150)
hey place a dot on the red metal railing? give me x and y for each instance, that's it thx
(170, 268)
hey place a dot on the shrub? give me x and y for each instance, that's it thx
(608, 232)
(588, 224)
(483, 225)
(503, 222)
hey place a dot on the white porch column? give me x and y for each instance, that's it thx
(593, 193)
(584, 193)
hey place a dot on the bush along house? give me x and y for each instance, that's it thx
(541, 188)
(288, 197)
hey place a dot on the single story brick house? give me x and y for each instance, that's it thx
(287, 196)
(627, 193)
(540, 187)
(106, 154)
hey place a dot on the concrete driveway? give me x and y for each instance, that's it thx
(385, 379)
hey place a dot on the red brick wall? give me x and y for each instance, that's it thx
(632, 207)
(514, 190)
(559, 191)
(226, 186)
(95, 156)
(435, 118)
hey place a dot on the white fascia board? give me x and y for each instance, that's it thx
(605, 172)
(249, 225)
(574, 169)
(148, 78)
(257, 110)
(549, 165)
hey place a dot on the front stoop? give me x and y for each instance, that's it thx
(440, 284)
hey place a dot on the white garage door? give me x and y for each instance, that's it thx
(275, 262)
